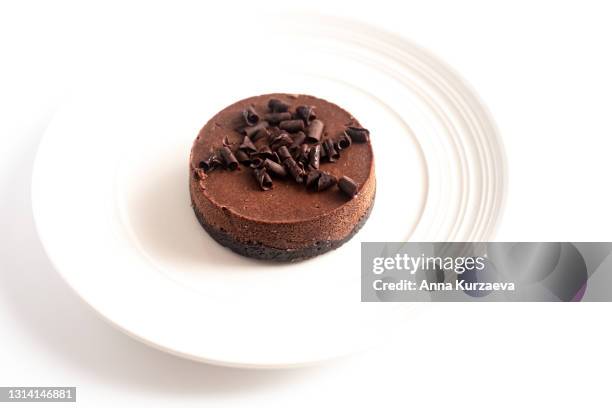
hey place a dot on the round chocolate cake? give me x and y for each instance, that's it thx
(282, 177)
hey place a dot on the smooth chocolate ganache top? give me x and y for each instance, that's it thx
(282, 170)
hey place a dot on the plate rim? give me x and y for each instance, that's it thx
(36, 202)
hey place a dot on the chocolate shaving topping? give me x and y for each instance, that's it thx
(348, 186)
(212, 162)
(358, 135)
(216, 160)
(250, 116)
(275, 131)
(303, 153)
(325, 181)
(323, 152)
(330, 151)
(277, 117)
(263, 179)
(261, 134)
(315, 130)
(276, 105)
(243, 157)
(292, 126)
(343, 142)
(205, 165)
(275, 168)
(302, 167)
(298, 154)
(256, 162)
(247, 145)
(283, 153)
(275, 158)
(306, 113)
(294, 169)
(282, 139)
(252, 130)
(228, 157)
(298, 139)
(314, 156)
(265, 152)
(311, 178)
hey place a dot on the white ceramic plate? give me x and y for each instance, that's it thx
(111, 200)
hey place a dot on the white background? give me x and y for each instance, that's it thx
(543, 69)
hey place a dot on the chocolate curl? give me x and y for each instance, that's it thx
(283, 153)
(263, 179)
(358, 135)
(216, 160)
(298, 140)
(296, 171)
(265, 152)
(275, 131)
(275, 158)
(282, 139)
(247, 145)
(250, 116)
(302, 167)
(205, 165)
(325, 181)
(276, 105)
(292, 126)
(348, 186)
(343, 142)
(330, 150)
(323, 152)
(262, 134)
(306, 113)
(256, 162)
(277, 117)
(315, 130)
(274, 168)
(228, 157)
(303, 153)
(314, 156)
(243, 157)
(212, 162)
(311, 178)
(250, 131)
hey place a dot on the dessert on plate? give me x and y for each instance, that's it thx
(282, 177)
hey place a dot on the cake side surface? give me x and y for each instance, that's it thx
(258, 250)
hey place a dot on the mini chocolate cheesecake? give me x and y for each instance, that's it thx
(282, 177)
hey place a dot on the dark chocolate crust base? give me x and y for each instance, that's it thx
(258, 251)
